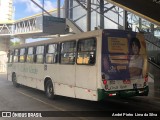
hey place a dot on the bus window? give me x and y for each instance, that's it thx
(39, 54)
(86, 51)
(22, 55)
(67, 55)
(16, 55)
(30, 55)
(51, 53)
(10, 56)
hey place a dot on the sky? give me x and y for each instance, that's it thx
(24, 8)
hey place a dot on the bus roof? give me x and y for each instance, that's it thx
(82, 35)
(59, 39)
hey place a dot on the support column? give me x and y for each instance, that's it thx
(140, 24)
(102, 14)
(4, 44)
(118, 19)
(3, 61)
(152, 29)
(125, 22)
(58, 8)
(66, 9)
(88, 15)
(4, 47)
(43, 8)
(71, 10)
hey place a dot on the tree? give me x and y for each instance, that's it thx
(14, 43)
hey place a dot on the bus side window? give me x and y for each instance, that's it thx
(67, 52)
(10, 56)
(16, 55)
(30, 55)
(39, 54)
(51, 53)
(86, 52)
(22, 55)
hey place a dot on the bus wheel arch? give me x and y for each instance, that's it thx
(14, 80)
(49, 88)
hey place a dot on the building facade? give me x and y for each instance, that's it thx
(6, 15)
(6, 10)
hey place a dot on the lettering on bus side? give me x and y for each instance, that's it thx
(28, 69)
(33, 70)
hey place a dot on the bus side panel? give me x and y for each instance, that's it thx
(31, 81)
(18, 70)
(65, 83)
(39, 72)
(98, 62)
(86, 82)
(64, 90)
(86, 94)
(21, 74)
(31, 74)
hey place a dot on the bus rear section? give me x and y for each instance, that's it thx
(123, 64)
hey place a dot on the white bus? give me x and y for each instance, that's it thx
(91, 65)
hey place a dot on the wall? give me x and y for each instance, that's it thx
(4, 46)
(3, 61)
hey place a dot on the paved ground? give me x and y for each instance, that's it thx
(28, 99)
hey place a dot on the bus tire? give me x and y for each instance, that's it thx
(49, 91)
(14, 80)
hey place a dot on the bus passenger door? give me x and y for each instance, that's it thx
(86, 70)
(31, 69)
(65, 83)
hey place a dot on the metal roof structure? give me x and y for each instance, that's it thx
(147, 9)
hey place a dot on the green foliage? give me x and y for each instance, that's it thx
(14, 43)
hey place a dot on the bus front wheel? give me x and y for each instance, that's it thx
(14, 80)
(49, 89)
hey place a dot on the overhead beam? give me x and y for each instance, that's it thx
(41, 7)
(88, 15)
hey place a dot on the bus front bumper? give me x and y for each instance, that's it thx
(102, 94)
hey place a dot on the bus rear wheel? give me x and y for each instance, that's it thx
(14, 80)
(49, 89)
